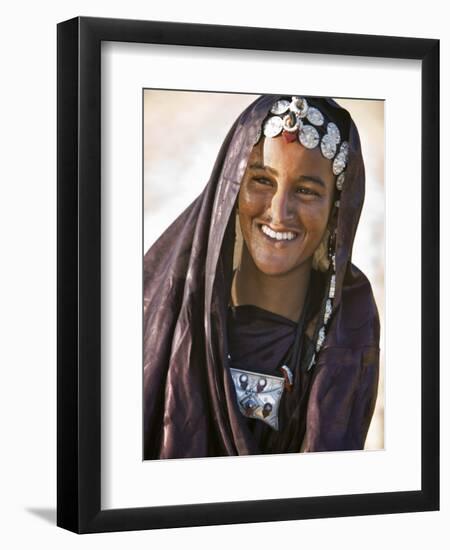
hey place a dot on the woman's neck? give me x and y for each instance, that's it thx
(281, 294)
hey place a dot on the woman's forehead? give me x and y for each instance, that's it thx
(278, 154)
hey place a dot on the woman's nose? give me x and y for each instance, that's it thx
(280, 207)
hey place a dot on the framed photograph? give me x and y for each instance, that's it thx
(248, 275)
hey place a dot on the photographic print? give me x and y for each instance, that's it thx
(233, 276)
(263, 293)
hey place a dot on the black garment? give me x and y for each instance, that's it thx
(261, 341)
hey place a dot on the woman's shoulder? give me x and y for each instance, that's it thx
(174, 245)
(356, 323)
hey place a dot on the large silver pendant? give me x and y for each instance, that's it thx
(258, 395)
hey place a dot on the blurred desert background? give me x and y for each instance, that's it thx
(182, 134)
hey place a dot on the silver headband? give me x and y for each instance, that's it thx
(295, 119)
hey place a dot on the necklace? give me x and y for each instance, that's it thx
(258, 394)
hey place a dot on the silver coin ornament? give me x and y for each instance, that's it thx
(315, 116)
(299, 105)
(344, 153)
(332, 290)
(340, 181)
(280, 107)
(328, 309)
(258, 395)
(328, 146)
(339, 163)
(333, 131)
(290, 122)
(345, 147)
(273, 126)
(320, 338)
(309, 137)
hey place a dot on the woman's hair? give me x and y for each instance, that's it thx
(320, 261)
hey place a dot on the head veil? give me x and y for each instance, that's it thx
(190, 407)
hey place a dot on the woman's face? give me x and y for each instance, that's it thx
(284, 204)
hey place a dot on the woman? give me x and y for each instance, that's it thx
(281, 354)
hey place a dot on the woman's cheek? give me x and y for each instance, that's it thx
(250, 204)
(317, 216)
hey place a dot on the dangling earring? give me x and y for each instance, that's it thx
(332, 250)
(327, 309)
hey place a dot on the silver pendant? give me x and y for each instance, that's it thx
(258, 395)
(299, 106)
(291, 122)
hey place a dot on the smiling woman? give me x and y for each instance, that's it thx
(284, 209)
(280, 354)
(285, 201)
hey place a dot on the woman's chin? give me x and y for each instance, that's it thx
(279, 266)
(274, 269)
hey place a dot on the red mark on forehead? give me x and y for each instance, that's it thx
(289, 136)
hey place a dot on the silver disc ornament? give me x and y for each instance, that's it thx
(333, 131)
(340, 181)
(339, 163)
(273, 126)
(290, 122)
(309, 137)
(328, 146)
(280, 107)
(315, 116)
(299, 106)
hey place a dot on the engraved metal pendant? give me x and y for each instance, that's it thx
(258, 395)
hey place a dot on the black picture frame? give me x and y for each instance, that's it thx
(79, 280)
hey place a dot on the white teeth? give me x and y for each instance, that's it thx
(287, 236)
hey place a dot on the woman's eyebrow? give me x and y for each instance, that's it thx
(259, 166)
(301, 179)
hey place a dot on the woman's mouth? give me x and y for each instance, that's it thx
(278, 235)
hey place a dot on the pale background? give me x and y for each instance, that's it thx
(183, 132)
(28, 297)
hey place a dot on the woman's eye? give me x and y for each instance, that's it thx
(263, 181)
(305, 191)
